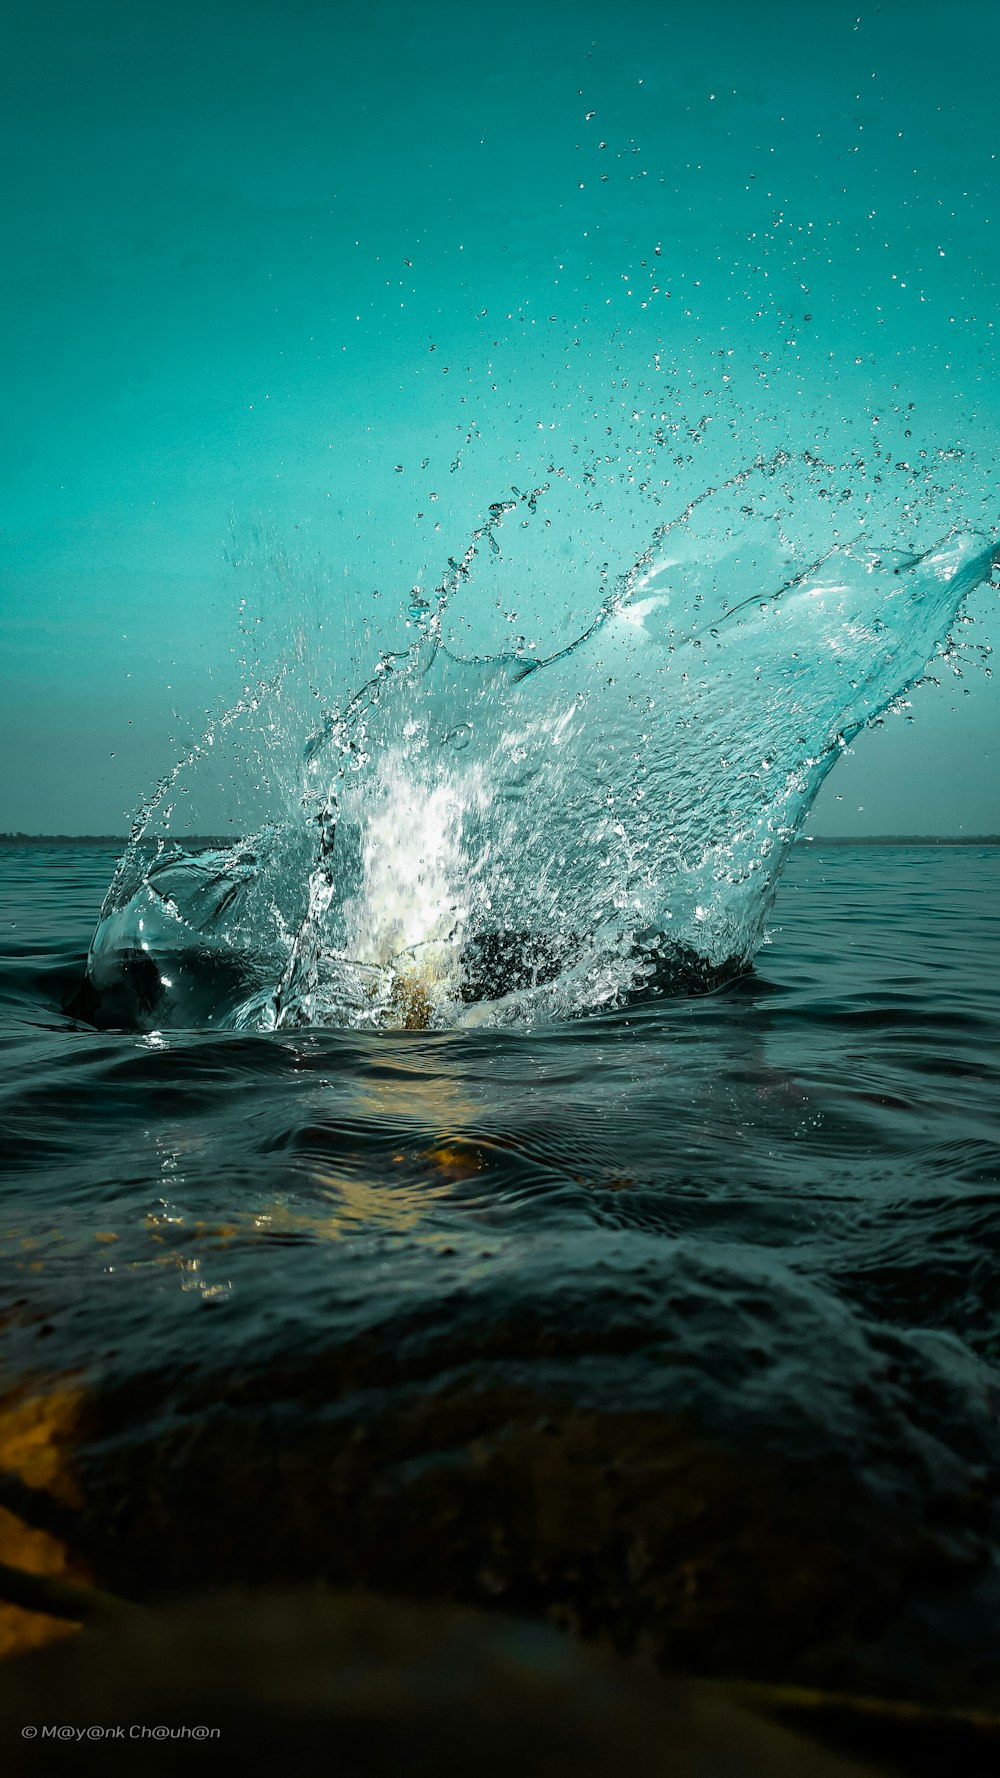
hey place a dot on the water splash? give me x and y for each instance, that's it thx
(544, 830)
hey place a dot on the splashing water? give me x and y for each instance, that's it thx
(527, 835)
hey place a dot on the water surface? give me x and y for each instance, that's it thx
(767, 1216)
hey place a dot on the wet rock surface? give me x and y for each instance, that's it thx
(628, 1528)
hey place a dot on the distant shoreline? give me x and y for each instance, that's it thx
(120, 841)
(899, 839)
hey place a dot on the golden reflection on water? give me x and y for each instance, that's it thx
(37, 1434)
(438, 1150)
(361, 1202)
(397, 1090)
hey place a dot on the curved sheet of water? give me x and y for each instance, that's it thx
(533, 833)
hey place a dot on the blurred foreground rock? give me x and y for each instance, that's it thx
(632, 1530)
(370, 1688)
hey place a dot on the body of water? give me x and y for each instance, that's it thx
(677, 1322)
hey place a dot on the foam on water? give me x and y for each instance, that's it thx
(568, 823)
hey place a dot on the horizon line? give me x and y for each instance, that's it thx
(16, 838)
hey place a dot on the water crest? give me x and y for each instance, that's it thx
(565, 823)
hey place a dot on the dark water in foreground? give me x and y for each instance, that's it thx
(681, 1323)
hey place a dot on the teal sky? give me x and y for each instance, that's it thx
(332, 279)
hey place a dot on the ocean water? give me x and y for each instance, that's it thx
(764, 1220)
